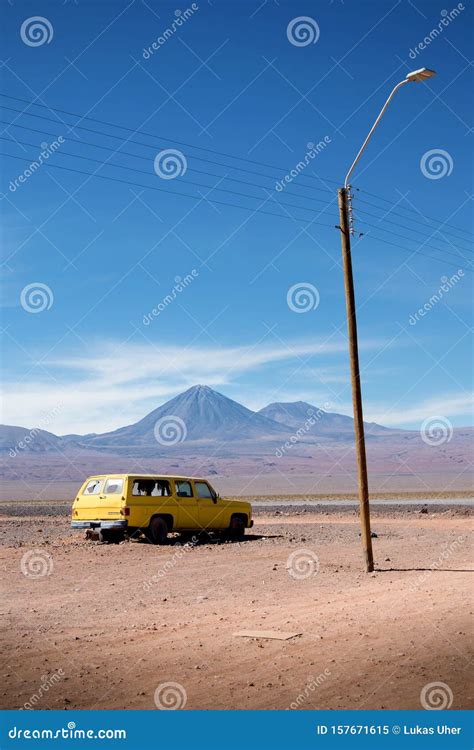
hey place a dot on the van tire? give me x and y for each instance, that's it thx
(236, 529)
(157, 531)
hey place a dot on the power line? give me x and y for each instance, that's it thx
(148, 161)
(213, 201)
(173, 192)
(410, 239)
(237, 193)
(138, 131)
(410, 229)
(404, 208)
(217, 202)
(154, 147)
(211, 151)
(416, 252)
(149, 174)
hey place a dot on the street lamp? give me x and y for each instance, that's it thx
(345, 226)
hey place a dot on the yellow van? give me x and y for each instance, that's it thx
(127, 504)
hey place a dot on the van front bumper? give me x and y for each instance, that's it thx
(122, 524)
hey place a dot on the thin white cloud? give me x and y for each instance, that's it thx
(400, 415)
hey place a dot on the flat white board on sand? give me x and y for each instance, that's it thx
(277, 635)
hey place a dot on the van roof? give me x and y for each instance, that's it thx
(147, 476)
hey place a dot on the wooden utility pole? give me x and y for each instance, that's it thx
(364, 510)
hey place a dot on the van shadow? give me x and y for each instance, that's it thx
(202, 539)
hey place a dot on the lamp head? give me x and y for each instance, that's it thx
(420, 75)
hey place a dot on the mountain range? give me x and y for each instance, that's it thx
(202, 432)
(199, 416)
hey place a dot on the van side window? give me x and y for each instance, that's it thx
(93, 487)
(113, 487)
(203, 490)
(151, 488)
(183, 489)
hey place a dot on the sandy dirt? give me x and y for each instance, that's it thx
(104, 625)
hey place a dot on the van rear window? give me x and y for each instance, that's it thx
(113, 487)
(93, 487)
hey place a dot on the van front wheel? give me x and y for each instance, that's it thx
(236, 529)
(157, 531)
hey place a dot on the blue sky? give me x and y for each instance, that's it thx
(229, 80)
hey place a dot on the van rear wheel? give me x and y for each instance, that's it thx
(112, 536)
(157, 531)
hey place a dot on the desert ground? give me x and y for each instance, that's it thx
(91, 625)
